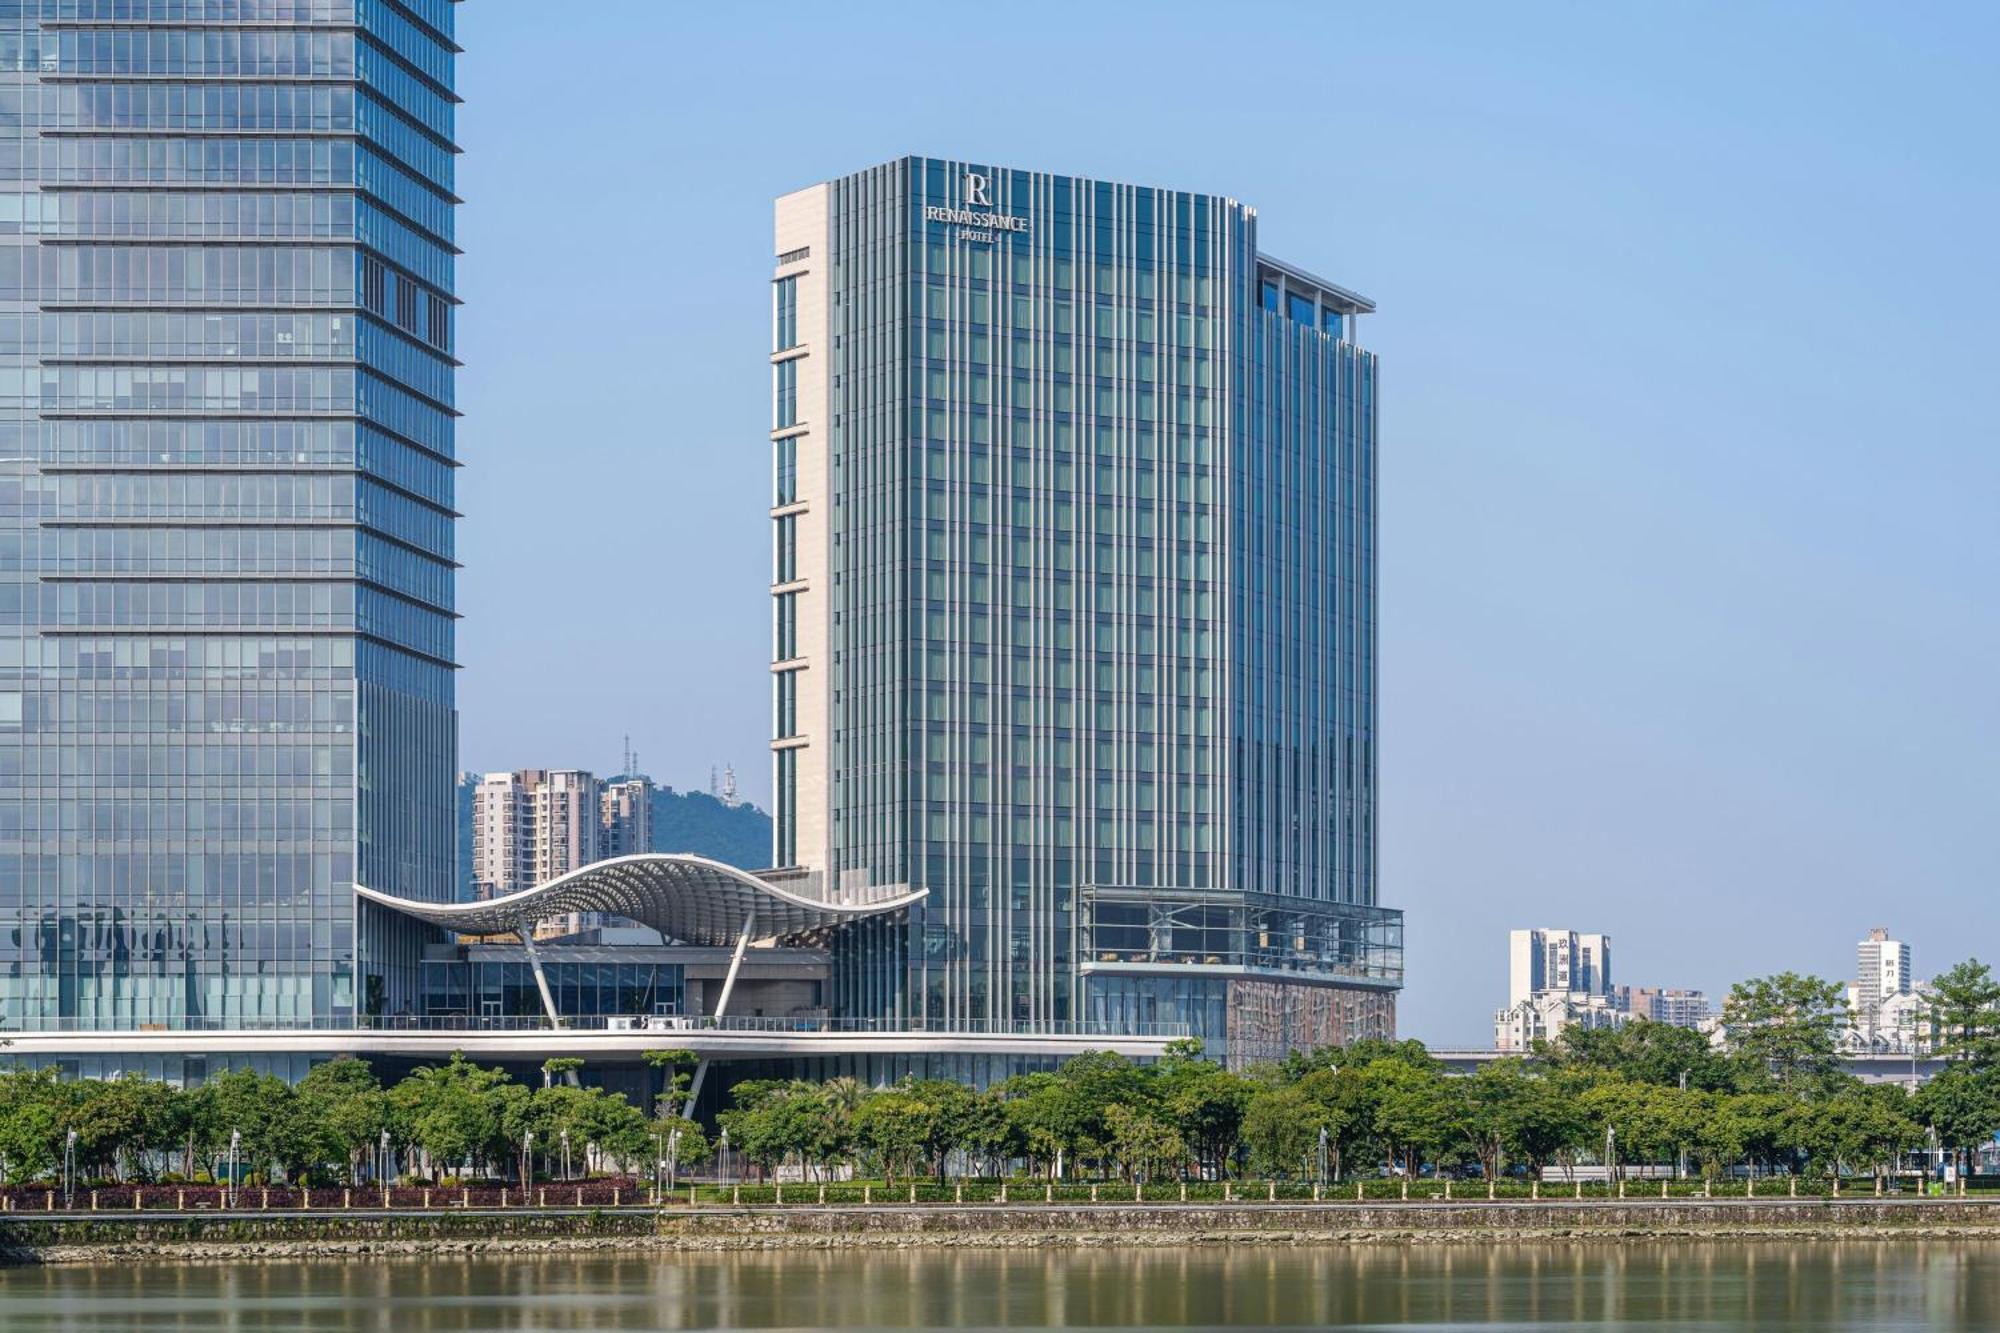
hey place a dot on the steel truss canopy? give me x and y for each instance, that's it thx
(684, 897)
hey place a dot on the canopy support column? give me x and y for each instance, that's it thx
(721, 1004)
(527, 934)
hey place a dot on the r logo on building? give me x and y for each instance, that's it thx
(976, 187)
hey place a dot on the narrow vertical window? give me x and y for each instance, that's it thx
(786, 394)
(786, 635)
(785, 314)
(785, 488)
(786, 564)
(786, 840)
(786, 722)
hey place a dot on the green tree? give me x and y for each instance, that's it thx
(1965, 1013)
(1418, 1110)
(677, 1070)
(688, 1150)
(947, 1107)
(1716, 1144)
(1646, 1052)
(1785, 1028)
(989, 1136)
(118, 1120)
(773, 1122)
(587, 1118)
(1281, 1129)
(619, 1130)
(1099, 1080)
(1048, 1114)
(457, 1112)
(561, 1069)
(32, 1110)
(1204, 1102)
(1144, 1145)
(345, 1111)
(262, 1110)
(1341, 1094)
(1859, 1126)
(1502, 1101)
(1758, 1121)
(1962, 1103)
(894, 1127)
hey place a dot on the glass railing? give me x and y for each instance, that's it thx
(664, 1025)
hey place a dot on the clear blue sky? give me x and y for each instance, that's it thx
(1690, 356)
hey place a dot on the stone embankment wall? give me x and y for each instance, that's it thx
(1129, 1224)
(102, 1238)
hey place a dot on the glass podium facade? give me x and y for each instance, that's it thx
(1074, 607)
(226, 453)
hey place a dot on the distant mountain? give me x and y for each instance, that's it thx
(694, 821)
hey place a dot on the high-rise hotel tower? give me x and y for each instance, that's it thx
(225, 507)
(1074, 608)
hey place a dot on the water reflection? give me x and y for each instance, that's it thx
(1710, 1286)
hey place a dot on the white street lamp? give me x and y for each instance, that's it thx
(69, 1167)
(235, 1146)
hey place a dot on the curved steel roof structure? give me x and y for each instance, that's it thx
(683, 896)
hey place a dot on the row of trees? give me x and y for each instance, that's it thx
(330, 1127)
(1773, 1098)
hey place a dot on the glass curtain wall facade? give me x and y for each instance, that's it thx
(226, 453)
(1074, 607)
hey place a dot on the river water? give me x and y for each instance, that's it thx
(1713, 1287)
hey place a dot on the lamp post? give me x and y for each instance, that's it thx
(1610, 1153)
(384, 1158)
(673, 1157)
(565, 1148)
(235, 1146)
(1322, 1154)
(725, 1157)
(528, 1159)
(69, 1166)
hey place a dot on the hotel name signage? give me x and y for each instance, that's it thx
(973, 223)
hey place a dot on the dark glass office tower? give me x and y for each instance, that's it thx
(1074, 608)
(225, 506)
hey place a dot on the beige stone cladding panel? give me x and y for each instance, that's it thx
(801, 224)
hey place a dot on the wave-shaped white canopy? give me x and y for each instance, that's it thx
(684, 897)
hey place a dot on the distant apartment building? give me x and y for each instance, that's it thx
(1888, 1010)
(503, 833)
(625, 813)
(1556, 979)
(1544, 960)
(1882, 969)
(568, 828)
(533, 825)
(1665, 1004)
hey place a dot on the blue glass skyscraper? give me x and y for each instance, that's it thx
(226, 461)
(1074, 608)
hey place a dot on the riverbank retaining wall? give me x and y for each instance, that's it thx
(101, 1238)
